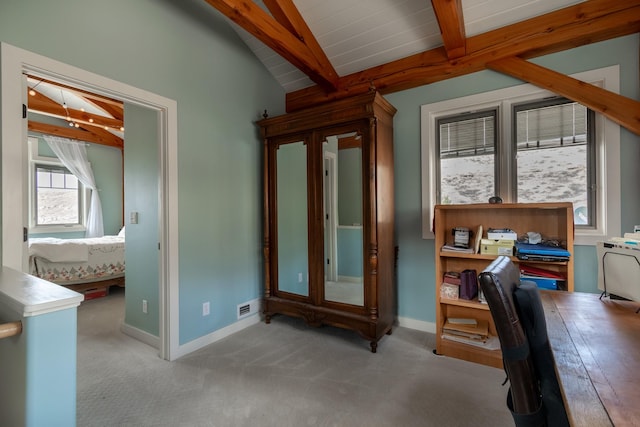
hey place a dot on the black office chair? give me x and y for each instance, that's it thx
(534, 397)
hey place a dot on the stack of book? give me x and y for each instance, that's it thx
(470, 331)
(466, 330)
(450, 288)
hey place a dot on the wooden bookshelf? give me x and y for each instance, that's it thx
(551, 220)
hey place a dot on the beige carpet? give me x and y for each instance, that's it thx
(282, 374)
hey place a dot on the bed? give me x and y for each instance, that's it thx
(90, 265)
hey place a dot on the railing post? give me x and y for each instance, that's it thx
(10, 329)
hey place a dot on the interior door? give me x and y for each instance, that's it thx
(15, 210)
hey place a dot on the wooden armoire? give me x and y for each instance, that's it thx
(329, 244)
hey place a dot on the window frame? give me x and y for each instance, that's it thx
(36, 160)
(607, 176)
(590, 144)
(493, 112)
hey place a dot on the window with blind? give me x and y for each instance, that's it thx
(467, 150)
(550, 160)
(555, 147)
(524, 144)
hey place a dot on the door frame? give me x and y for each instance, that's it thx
(330, 208)
(14, 62)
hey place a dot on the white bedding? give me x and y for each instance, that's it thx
(72, 261)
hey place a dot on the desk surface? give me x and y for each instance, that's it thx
(596, 346)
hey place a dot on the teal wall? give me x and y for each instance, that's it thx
(107, 171)
(350, 257)
(416, 285)
(187, 52)
(38, 369)
(350, 186)
(141, 196)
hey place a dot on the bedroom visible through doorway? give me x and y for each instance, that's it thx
(16, 63)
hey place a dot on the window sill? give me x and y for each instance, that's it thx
(57, 229)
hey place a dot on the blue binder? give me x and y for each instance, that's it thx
(541, 252)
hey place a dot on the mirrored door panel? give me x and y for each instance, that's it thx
(291, 196)
(343, 231)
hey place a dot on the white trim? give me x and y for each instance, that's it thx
(330, 198)
(217, 335)
(14, 62)
(607, 170)
(140, 335)
(28, 295)
(418, 325)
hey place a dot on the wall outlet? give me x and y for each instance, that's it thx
(144, 306)
(636, 228)
(205, 308)
(299, 277)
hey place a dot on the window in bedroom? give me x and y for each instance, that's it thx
(526, 145)
(58, 199)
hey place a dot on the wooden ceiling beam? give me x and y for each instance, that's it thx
(585, 23)
(80, 92)
(266, 29)
(622, 110)
(287, 14)
(116, 111)
(104, 138)
(451, 23)
(42, 104)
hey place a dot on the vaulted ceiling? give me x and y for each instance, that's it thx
(87, 116)
(323, 50)
(326, 50)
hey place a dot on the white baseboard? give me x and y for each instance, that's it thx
(141, 335)
(205, 340)
(419, 325)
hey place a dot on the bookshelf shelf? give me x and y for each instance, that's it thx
(465, 303)
(551, 220)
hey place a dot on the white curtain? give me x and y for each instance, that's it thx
(73, 155)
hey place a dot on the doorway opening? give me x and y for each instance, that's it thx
(16, 63)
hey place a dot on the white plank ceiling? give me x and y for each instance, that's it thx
(360, 34)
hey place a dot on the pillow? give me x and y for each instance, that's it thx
(121, 233)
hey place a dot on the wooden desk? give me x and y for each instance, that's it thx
(596, 346)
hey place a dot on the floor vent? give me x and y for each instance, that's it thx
(244, 309)
(248, 308)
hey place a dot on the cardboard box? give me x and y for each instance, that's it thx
(501, 234)
(95, 293)
(449, 291)
(497, 247)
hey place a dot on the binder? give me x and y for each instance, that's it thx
(527, 251)
(528, 270)
(544, 282)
